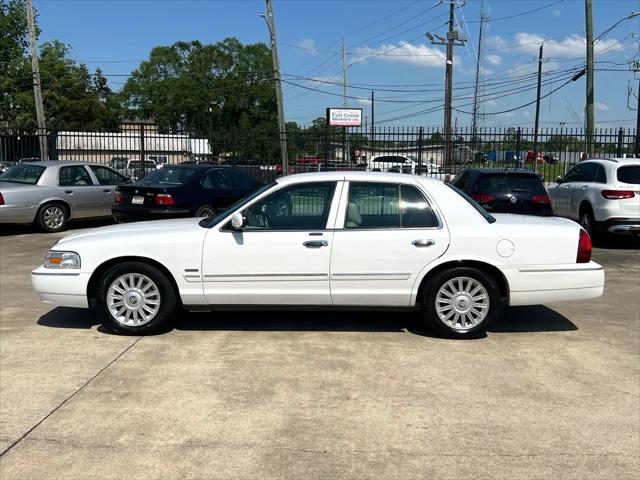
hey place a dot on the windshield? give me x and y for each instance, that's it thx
(23, 174)
(630, 174)
(210, 222)
(487, 216)
(170, 176)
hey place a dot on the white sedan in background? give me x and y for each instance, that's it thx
(344, 240)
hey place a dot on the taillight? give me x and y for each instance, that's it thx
(584, 247)
(541, 199)
(117, 198)
(1, 199)
(164, 199)
(483, 198)
(617, 194)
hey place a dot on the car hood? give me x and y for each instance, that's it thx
(126, 232)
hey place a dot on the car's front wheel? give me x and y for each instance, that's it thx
(461, 302)
(136, 298)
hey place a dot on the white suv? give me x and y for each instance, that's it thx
(601, 194)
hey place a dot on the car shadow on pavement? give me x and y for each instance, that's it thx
(529, 319)
(617, 242)
(8, 230)
(537, 318)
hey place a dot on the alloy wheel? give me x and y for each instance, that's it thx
(53, 217)
(133, 299)
(462, 303)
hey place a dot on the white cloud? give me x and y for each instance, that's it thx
(571, 46)
(603, 107)
(526, 114)
(557, 13)
(493, 59)
(363, 101)
(419, 55)
(307, 46)
(507, 114)
(490, 103)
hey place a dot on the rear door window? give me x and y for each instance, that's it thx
(75, 175)
(106, 176)
(601, 175)
(629, 174)
(242, 180)
(217, 179)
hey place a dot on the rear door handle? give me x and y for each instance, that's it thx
(315, 243)
(584, 187)
(69, 192)
(106, 190)
(422, 243)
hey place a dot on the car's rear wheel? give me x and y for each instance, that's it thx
(205, 211)
(136, 299)
(588, 222)
(461, 302)
(52, 217)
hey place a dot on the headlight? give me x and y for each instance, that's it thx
(62, 260)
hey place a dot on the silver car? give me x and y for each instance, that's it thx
(50, 193)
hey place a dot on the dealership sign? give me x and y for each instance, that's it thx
(344, 117)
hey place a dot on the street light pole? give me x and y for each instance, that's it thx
(278, 83)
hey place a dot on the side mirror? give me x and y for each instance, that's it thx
(559, 179)
(238, 221)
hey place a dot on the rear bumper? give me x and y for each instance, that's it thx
(625, 226)
(15, 214)
(67, 289)
(135, 214)
(538, 284)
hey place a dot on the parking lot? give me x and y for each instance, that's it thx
(552, 392)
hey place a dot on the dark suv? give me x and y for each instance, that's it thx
(505, 191)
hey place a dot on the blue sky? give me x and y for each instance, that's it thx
(387, 47)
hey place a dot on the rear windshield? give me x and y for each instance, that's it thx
(23, 174)
(487, 216)
(630, 174)
(170, 175)
(511, 182)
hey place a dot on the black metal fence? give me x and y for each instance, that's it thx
(416, 150)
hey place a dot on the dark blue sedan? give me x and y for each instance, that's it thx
(181, 191)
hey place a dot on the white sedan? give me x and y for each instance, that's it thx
(327, 240)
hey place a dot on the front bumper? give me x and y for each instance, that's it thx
(124, 214)
(538, 284)
(66, 288)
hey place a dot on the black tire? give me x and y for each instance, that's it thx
(52, 217)
(588, 222)
(166, 297)
(468, 330)
(205, 211)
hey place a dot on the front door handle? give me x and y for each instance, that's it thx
(423, 243)
(69, 192)
(567, 186)
(584, 187)
(106, 190)
(315, 243)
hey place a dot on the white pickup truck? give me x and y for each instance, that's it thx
(394, 163)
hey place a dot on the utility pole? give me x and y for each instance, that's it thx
(479, 66)
(453, 39)
(535, 131)
(278, 81)
(637, 145)
(373, 122)
(589, 114)
(346, 156)
(37, 85)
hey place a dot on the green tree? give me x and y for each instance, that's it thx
(223, 91)
(73, 98)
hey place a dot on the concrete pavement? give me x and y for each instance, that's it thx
(552, 392)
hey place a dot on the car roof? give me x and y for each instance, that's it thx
(484, 171)
(49, 163)
(618, 160)
(354, 176)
